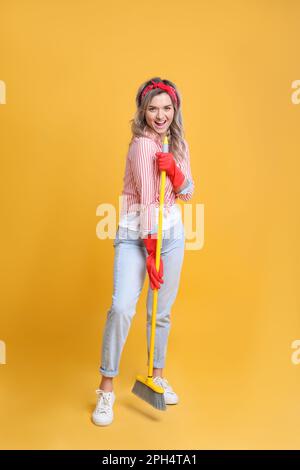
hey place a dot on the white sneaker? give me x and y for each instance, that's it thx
(103, 413)
(169, 395)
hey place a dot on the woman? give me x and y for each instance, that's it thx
(158, 114)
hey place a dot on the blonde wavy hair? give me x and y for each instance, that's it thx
(139, 126)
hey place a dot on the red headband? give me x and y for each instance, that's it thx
(169, 89)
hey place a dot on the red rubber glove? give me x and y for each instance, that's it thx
(154, 276)
(166, 161)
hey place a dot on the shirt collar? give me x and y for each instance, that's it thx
(153, 135)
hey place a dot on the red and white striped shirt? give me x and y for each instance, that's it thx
(140, 195)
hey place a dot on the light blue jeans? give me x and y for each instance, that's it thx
(129, 276)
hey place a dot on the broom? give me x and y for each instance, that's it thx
(145, 387)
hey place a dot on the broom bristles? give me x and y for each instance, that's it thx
(144, 392)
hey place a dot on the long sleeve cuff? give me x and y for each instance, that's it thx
(187, 188)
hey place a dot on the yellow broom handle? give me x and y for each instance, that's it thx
(157, 263)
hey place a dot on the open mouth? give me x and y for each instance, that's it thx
(160, 124)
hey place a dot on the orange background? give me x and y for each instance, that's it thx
(72, 69)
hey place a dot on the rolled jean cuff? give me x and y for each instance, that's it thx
(158, 364)
(108, 373)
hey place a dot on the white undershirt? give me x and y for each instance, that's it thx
(171, 217)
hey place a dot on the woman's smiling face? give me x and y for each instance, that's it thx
(160, 110)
